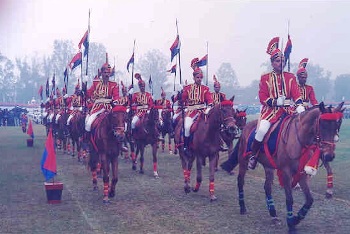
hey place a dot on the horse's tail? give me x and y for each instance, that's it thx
(232, 160)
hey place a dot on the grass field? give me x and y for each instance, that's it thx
(147, 205)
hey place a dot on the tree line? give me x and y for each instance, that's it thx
(21, 79)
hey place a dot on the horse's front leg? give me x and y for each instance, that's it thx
(105, 168)
(114, 164)
(199, 173)
(240, 184)
(155, 161)
(169, 143)
(212, 163)
(292, 221)
(141, 149)
(269, 175)
(133, 155)
(329, 191)
(304, 184)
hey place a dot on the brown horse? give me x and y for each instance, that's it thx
(206, 143)
(76, 131)
(326, 163)
(241, 121)
(315, 127)
(107, 136)
(166, 128)
(146, 133)
(61, 131)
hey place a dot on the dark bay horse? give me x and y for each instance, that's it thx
(206, 143)
(61, 131)
(326, 163)
(146, 134)
(166, 128)
(76, 131)
(316, 127)
(107, 135)
(228, 138)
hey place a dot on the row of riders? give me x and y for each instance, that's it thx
(203, 121)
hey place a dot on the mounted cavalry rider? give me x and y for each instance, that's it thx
(218, 96)
(165, 104)
(101, 92)
(74, 103)
(60, 103)
(141, 102)
(307, 91)
(198, 100)
(175, 98)
(276, 90)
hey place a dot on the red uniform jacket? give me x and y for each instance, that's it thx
(100, 93)
(272, 86)
(141, 102)
(308, 95)
(218, 97)
(196, 96)
(165, 103)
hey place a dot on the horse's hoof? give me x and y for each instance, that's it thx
(105, 200)
(231, 173)
(213, 198)
(195, 190)
(111, 194)
(329, 194)
(187, 189)
(276, 221)
(170, 152)
(243, 211)
(155, 174)
(134, 167)
(95, 188)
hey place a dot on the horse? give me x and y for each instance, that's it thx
(166, 128)
(206, 143)
(146, 133)
(240, 117)
(107, 135)
(61, 131)
(315, 128)
(326, 163)
(76, 129)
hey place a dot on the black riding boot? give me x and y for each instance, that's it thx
(255, 152)
(186, 143)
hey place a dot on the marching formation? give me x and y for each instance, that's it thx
(293, 131)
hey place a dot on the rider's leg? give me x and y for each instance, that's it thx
(188, 123)
(263, 127)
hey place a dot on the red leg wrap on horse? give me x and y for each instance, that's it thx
(105, 189)
(187, 175)
(94, 176)
(133, 156)
(211, 187)
(198, 184)
(330, 181)
(169, 147)
(155, 166)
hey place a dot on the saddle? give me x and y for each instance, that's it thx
(194, 126)
(271, 138)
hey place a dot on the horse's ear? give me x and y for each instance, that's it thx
(232, 98)
(322, 107)
(339, 107)
(245, 110)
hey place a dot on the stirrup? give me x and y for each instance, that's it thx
(252, 162)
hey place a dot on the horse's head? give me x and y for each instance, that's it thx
(227, 117)
(241, 118)
(117, 120)
(329, 125)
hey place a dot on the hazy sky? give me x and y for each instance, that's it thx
(236, 31)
